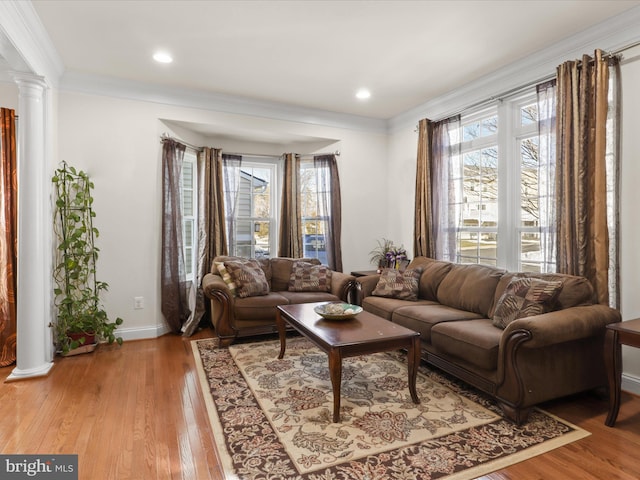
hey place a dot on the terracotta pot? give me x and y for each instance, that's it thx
(89, 338)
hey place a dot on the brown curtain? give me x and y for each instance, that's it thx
(211, 225)
(8, 237)
(174, 287)
(423, 242)
(290, 241)
(438, 196)
(331, 204)
(583, 221)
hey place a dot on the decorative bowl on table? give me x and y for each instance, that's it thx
(337, 311)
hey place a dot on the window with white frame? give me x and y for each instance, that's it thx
(189, 212)
(314, 188)
(498, 173)
(255, 224)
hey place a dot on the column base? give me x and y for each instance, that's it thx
(19, 374)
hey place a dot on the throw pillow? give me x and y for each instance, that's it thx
(525, 297)
(396, 284)
(249, 278)
(224, 273)
(306, 277)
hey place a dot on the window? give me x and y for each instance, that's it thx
(498, 175)
(189, 212)
(253, 230)
(314, 189)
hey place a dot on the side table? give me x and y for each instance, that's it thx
(618, 334)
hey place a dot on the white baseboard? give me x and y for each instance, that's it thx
(630, 383)
(142, 333)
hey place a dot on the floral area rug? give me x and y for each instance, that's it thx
(272, 418)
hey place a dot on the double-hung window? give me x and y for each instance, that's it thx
(498, 177)
(251, 225)
(189, 212)
(315, 194)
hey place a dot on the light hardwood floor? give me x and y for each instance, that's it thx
(137, 412)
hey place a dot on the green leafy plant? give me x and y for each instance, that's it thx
(77, 289)
(379, 254)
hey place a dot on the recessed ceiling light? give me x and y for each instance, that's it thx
(363, 94)
(162, 57)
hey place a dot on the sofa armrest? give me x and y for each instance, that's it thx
(343, 285)
(563, 325)
(222, 307)
(212, 284)
(367, 284)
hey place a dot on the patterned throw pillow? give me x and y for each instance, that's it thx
(306, 277)
(249, 278)
(396, 284)
(525, 297)
(222, 270)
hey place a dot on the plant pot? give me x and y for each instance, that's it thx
(89, 344)
(89, 338)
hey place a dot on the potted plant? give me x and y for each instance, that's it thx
(379, 254)
(81, 319)
(387, 255)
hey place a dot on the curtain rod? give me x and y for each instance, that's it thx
(513, 91)
(166, 136)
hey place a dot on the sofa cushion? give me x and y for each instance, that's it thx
(309, 297)
(575, 290)
(470, 287)
(262, 307)
(525, 297)
(281, 271)
(384, 306)
(423, 316)
(474, 341)
(433, 272)
(396, 284)
(226, 276)
(249, 278)
(306, 277)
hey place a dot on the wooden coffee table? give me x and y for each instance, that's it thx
(366, 333)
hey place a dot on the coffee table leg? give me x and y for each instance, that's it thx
(335, 371)
(613, 363)
(282, 333)
(413, 357)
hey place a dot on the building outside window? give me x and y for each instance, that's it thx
(189, 212)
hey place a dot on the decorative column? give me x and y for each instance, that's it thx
(33, 299)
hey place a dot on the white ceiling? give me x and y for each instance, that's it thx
(313, 54)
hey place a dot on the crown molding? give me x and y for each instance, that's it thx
(25, 44)
(610, 35)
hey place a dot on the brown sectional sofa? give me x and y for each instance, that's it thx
(532, 360)
(234, 317)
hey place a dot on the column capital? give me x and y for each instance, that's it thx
(24, 78)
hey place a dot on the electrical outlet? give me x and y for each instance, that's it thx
(138, 303)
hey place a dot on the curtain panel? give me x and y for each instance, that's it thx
(174, 287)
(546, 103)
(331, 206)
(586, 177)
(8, 236)
(438, 195)
(212, 233)
(290, 235)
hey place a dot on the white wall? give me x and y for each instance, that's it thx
(8, 95)
(630, 199)
(117, 142)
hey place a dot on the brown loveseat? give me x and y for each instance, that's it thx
(233, 316)
(532, 360)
